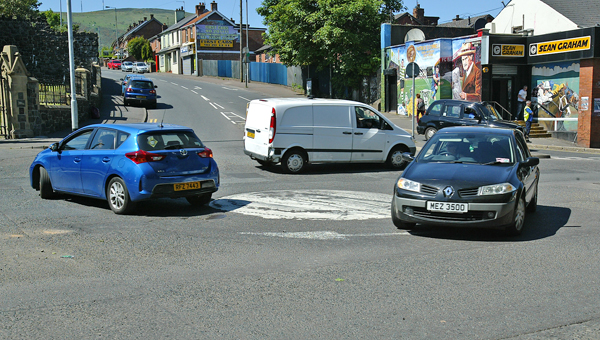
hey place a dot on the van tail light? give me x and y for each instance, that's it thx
(142, 156)
(207, 153)
(272, 126)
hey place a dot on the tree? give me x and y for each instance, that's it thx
(19, 8)
(341, 34)
(138, 47)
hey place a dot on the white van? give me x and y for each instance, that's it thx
(296, 131)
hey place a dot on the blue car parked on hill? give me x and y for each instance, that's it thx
(126, 80)
(128, 163)
(140, 91)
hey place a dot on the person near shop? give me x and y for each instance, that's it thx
(528, 117)
(420, 107)
(521, 98)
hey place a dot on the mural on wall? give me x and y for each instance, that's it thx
(466, 69)
(428, 82)
(555, 87)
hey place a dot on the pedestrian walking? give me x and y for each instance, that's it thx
(521, 98)
(420, 107)
(528, 116)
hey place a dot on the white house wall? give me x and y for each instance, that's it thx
(536, 15)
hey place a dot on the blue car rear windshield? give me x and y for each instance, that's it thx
(168, 140)
(142, 84)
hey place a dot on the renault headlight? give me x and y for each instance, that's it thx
(407, 184)
(496, 189)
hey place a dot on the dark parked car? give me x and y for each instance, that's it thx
(140, 91)
(126, 164)
(468, 177)
(448, 112)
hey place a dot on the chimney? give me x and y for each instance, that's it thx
(164, 27)
(145, 18)
(213, 6)
(151, 16)
(419, 12)
(457, 18)
(140, 22)
(200, 9)
(179, 14)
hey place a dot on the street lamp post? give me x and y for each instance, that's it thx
(116, 36)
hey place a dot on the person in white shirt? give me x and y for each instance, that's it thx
(521, 98)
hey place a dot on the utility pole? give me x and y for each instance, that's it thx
(241, 44)
(74, 111)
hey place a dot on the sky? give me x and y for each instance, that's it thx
(444, 9)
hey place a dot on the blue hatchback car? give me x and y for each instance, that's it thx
(126, 164)
(126, 80)
(140, 91)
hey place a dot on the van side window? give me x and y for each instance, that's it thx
(435, 110)
(367, 119)
(332, 116)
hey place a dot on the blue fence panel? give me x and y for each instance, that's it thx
(268, 73)
(225, 68)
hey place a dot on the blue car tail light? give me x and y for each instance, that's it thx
(207, 153)
(142, 156)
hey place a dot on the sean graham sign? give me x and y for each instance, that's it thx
(502, 50)
(560, 46)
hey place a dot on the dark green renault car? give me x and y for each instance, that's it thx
(449, 112)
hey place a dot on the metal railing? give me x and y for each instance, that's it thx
(54, 94)
(504, 112)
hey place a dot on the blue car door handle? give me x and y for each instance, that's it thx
(76, 160)
(105, 160)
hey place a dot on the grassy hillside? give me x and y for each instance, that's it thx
(103, 22)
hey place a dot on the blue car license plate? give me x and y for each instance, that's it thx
(187, 186)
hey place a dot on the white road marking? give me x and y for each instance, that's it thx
(164, 81)
(219, 106)
(578, 158)
(325, 235)
(229, 88)
(213, 105)
(184, 87)
(175, 84)
(244, 98)
(205, 98)
(194, 91)
(231, 116)
(334, 205)
(197, 88)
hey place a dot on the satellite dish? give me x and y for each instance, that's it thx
(414, 34)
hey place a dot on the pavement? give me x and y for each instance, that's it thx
(113, 111)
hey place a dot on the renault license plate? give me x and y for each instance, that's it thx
(448, 207)
(187, 186)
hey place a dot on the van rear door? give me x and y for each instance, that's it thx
(258, 120)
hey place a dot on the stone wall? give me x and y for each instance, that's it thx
(46, 52)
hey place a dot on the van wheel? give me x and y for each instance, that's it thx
(395, 158)
(294, 161)
(429, 132)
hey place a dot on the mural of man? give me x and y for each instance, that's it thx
(471, 79)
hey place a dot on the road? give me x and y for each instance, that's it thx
(290, 256)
